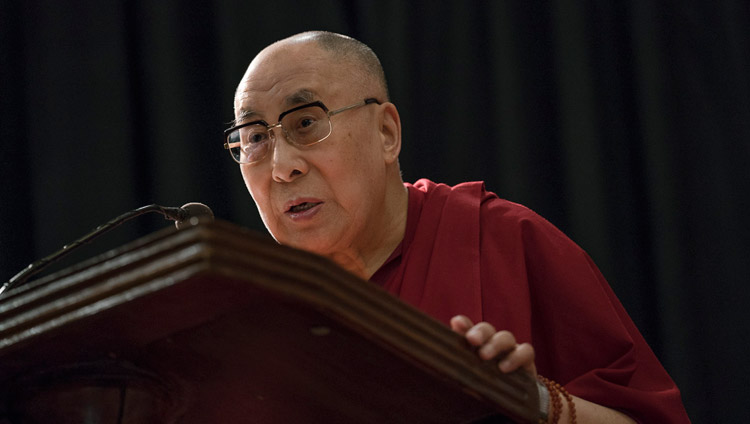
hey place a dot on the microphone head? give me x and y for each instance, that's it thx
(192, 214)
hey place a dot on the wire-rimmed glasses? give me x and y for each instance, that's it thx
(303, 125)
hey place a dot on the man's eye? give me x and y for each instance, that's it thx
(253, 140)
(256, 138)
(306, 124)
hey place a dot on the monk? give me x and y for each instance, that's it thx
(318, 142)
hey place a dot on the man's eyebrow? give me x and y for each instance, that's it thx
(297, 98)
(244, 114)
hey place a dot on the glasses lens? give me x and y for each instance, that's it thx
(249, 144)
(306, 126)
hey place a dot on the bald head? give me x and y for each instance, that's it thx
(347, 49)
(344, 52)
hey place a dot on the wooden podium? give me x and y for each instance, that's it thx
(217, 324)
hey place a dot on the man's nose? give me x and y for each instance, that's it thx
(287, 160)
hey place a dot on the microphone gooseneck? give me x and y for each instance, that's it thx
(185, 216)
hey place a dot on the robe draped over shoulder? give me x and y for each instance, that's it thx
(466, 251)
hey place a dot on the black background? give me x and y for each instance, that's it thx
(626, 124)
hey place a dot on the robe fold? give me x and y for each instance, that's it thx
(466, 251)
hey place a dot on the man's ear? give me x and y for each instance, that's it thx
(390, 132)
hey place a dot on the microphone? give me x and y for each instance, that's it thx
(188, 215)
(192, 214)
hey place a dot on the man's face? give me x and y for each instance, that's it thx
(329, 197)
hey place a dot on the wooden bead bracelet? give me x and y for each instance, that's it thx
(555, 390)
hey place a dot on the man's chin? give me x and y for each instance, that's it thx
(312, 246)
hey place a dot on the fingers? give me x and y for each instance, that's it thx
(496, 344)
(514, 356)
(461, 324)
(500, 342)
(480, 334)
(522, 356)
(477, 335)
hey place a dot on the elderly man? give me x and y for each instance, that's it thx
(318, 143)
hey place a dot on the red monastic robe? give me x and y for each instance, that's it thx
(465, 251)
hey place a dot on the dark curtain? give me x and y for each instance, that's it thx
(626, 124)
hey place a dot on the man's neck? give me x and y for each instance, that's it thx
(365, 264)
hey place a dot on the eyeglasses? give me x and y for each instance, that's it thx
(302, 126)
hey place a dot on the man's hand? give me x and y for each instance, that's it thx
(502, 344)
(496, 344)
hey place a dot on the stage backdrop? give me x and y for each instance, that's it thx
(627, 124)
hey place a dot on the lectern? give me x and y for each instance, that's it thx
(218, 324)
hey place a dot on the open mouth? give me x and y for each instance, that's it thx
(303, 207)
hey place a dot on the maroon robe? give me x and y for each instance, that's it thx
(465, 251)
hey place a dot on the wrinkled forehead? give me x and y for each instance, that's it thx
(282, 76)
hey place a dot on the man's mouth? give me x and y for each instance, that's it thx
(303, 207)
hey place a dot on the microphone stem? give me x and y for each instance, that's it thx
(174, 214)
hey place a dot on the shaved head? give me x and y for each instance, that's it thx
(348, 49)
(345, 50)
